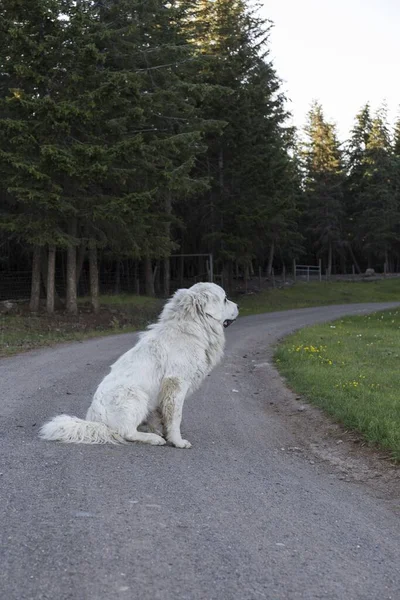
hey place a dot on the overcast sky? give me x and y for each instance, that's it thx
(340, 52)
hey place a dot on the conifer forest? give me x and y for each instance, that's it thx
(136, 132)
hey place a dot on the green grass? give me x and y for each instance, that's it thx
(303, 295)
(21, 333)
(119, 314)
(126, 312)
(127, 300)
(350, 369)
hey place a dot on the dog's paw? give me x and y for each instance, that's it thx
(156, 440)
(182, 444)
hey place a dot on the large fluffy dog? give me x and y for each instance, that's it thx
(168, 363)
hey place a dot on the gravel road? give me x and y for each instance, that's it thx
(244, 515)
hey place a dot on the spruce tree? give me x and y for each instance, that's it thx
(109, 129)
(323, 184)
(356, 181)
(396, 138)
(248, 165)
(31, 40)
(379, 216)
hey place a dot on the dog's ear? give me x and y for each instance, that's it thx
(181, 301)
(196, 303)
(191, 303)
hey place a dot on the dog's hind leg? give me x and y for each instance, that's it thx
(172, 397)
(147, 438)
(153, 423)
(128, 409)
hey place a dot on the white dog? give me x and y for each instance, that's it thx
(168, 363)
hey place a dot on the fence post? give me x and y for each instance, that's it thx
(294, 269)
(259, 276)
(320, 269)
(155, 274)
(308, 274)
(273, 277)
(284, 274)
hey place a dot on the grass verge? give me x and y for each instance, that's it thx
(123, 313)
(350, 369)
(303, 295)
(119, 314)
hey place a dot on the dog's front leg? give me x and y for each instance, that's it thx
(172, 397)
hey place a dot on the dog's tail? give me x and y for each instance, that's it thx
(64, 428)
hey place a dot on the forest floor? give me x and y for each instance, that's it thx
(21, 331)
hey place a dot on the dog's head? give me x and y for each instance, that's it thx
(205, 300)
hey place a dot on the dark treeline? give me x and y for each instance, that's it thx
(351, 192)
(132, 130)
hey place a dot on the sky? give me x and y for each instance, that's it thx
(342, 53)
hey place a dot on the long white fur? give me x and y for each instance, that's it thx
(168, 363)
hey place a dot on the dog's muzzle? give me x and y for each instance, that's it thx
(228, 322)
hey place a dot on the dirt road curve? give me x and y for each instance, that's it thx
(258, 508)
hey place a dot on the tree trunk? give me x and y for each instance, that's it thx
(156, 277)
(81, 260)
(117, 288)
(167, 277)
(71, 298)
(329, 267)
(270, 258)
(221, 190)
(51, 268)
(354, 259)
(386, 265)
(94, 279)
(221, 169)
(343, 263)
(43, 270)
(148, 273)
(230, 277)
(128, 274)
(35, 285)
(167, 265)
(181, 269)
(58, 303)
(137, 279)
(212, 245)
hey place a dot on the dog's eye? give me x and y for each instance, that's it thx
(226, 300)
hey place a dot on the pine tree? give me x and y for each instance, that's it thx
(379, 210)
(156, 122)
(30, 45)
(108, 130)
(396, 184)
(323, 183)
(396, 138)
(355, 180)
(248, 165)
